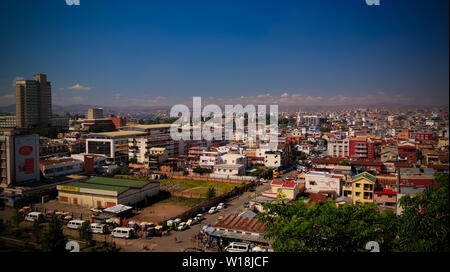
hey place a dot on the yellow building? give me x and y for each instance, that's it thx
(360, 188)
(288, 189)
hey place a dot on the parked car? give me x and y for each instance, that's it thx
(50, 214)
(192, 221)
(221, 206)
(200, 217)
(121, 232)
(182, 226)
(238, 247)
(212, 210)
(75, 224)
(35, 217)
(98, 228)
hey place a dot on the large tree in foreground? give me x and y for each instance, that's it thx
(424, 223)
(323, 226)
(53, 239)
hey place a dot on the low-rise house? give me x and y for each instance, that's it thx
(229, 169)
(389, 154)
(360, 188)
(385, 198)
(315, 182)
(288, 189)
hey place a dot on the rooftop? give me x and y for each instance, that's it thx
(236, 222)
(366, 176)
(118, 133)
(150, 126)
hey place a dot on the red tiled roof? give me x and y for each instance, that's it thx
(316, 198)
(386, 192)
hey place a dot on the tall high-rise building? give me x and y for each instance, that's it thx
(95, 113)
(33, 102)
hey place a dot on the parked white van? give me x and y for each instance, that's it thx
(75, 224)
(238, 247)
(98, 228)
(123, 232)
(34, 217)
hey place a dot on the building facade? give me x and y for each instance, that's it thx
(33, 102)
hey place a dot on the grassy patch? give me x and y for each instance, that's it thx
(199, 186)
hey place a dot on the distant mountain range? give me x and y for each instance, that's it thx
(83, 109)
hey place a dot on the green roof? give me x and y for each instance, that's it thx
(366, 176)
(118, 189)
(117, 182)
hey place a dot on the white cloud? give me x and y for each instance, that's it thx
(78, 87)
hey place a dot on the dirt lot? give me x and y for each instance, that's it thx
(161, 211)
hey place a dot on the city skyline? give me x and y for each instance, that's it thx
(113, 53)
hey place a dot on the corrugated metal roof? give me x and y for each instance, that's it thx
(234, 222)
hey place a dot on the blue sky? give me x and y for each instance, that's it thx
(142, 52)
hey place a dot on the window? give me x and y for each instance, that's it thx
(357, 193)
(357, 185)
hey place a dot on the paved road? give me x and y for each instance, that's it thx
(168, 243)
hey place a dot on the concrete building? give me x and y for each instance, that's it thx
(361, 148)
(323, 182)
(7, 121)
(389, 154)
(236, 159)
(360, 189)
(59, 167)
(288, 189)
(385, 199)
(273, 159)
(156, 156)
(338, 148)
(210, 160)
(139, 146)
(106, 192)
(95, 113)
(114, 145)
(19, 156)
(229, 169)
(33, 102)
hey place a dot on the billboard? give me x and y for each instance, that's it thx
(26, 158)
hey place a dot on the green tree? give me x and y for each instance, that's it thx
(424, 222)
(344, 163)
(85, 231)
(133, 160)
(210, 193)
(322, 227)
(53, 239)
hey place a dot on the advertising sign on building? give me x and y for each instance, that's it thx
(26, 158)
